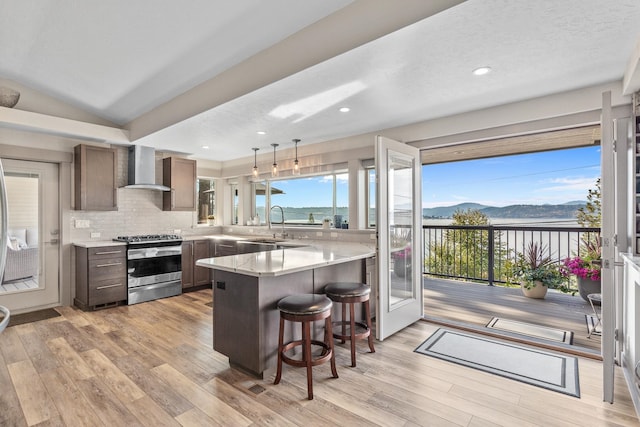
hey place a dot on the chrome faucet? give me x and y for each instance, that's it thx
(284, 235)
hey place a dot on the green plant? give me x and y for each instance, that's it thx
(591, 214)
(535, 265)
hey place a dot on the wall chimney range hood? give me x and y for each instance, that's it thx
(142, 169)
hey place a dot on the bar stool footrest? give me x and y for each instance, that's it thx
(322, 358)
(361, 335)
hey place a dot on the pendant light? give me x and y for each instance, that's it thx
(296, 165)
(255, 162)
(274, 167)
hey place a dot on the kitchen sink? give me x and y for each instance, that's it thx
(259, 245)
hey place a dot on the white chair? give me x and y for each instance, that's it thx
(5, 320)
(597, 298)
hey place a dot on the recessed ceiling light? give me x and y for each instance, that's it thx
(481, 71)
(345, 109)
(206, 147)
(261, 132)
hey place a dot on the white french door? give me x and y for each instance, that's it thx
(31, 279)
(615, 143)
(399, 223)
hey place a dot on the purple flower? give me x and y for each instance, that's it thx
(580, 267)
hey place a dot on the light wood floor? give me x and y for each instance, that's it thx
(152, 364)
(476, 304)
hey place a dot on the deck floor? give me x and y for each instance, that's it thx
(476, 304)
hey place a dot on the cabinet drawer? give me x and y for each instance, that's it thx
(107, 268)
(107, 291)
(107, 252)
(225, 248)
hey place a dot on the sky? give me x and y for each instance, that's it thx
(311, 191)
(552, 177)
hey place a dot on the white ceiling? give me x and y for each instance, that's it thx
(180, 75)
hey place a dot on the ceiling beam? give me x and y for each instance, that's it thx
(58, 126)
(544, 141)
(356, 24)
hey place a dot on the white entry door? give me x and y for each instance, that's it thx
(399, 222)
(31, 279)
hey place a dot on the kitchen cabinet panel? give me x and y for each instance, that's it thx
(180, 175)
(193, 275)
(95, 178)
(101, 277)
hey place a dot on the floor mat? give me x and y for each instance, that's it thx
(34, 316)
(531, 330)
(544, 369)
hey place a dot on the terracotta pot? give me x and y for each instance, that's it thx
(538, 291)
(588, 286)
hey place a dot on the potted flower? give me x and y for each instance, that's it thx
(211, 220)
(536, 271)
(586, 267)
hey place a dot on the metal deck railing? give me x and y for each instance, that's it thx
(483, 253)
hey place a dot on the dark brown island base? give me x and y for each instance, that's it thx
(247, 288)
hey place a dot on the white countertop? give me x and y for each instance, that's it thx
(631, 259)
(290, 260)
(99, 243)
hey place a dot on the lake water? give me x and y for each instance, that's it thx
(542, 222)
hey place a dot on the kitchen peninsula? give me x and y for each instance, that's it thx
(247, 288)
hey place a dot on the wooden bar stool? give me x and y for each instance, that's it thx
(350, 293)
(306, 308)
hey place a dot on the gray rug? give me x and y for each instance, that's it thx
(531, 330)
(544, 369)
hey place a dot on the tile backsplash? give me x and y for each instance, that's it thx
(139, 212)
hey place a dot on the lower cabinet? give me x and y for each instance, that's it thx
(193, 275)
(224, 247)
(101, 276)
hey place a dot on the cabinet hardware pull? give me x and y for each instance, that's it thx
(108, 286)
(109, 265)
(107, 252)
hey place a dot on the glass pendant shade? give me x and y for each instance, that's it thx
(296, 164)
(255, 171)
(274, 167)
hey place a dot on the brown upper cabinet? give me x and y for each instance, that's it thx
(95, 178)
(180, 175)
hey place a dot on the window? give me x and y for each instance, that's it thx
(259, 191)
(206, 199)
(235, 201)
(306, 201)
(371, 197)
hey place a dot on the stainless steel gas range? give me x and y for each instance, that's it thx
(154, 266)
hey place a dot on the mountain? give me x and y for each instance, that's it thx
(565, 210)
(447, 211)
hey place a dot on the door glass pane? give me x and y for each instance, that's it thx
(371, 198)
(22, 268)
(400, 222)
